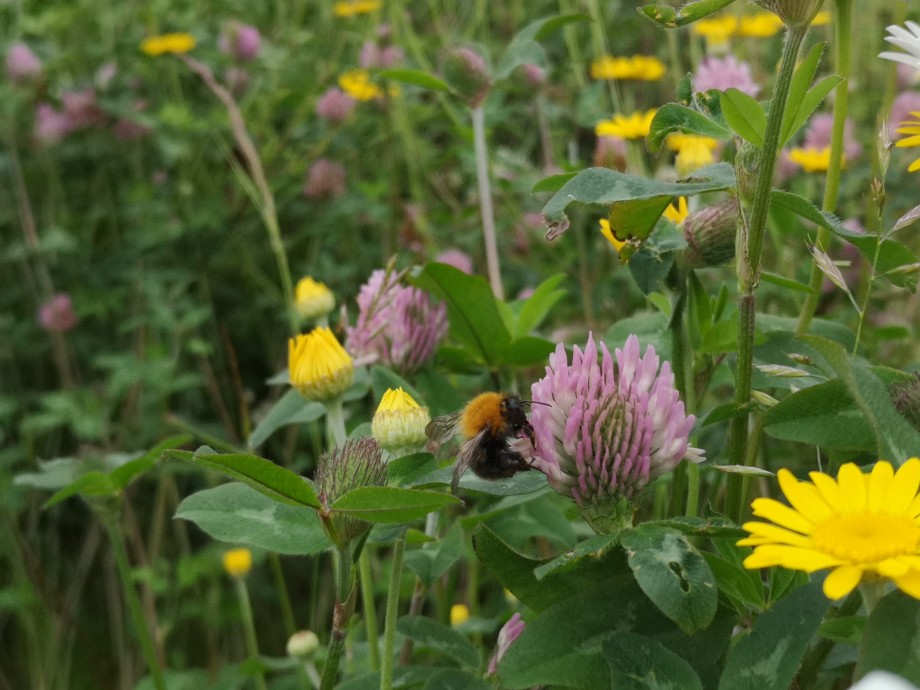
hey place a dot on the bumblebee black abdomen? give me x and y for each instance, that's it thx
(496, 461)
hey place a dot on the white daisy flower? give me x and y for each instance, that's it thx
(907, 39)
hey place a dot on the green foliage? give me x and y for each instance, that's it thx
(638, 663)
(670, 18)
(433, 635)
(890, 638)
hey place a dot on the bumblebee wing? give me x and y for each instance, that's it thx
(470, 452)
(441, 429)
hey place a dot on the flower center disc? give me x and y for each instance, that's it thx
(867, 538)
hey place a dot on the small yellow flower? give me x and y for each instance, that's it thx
(399, 422)
(677, 214)
(760, 25)
(911, 128)
(352, 8)
(357, 84)
(639, 67)
(459, 614)
(822, 18)
(860, 523)
(693, 151)
(177, 43)
(716, 30)
(312, 298)
(608, 234)
(812, 160)
(238, 562)
(635, 126)
(318, 366)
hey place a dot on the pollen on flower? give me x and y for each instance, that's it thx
(319, 367)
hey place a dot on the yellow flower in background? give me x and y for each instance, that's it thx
(608, 234)
(639, 67)
(858, 524)
(312, 298)
(911, 128)
(822, 18)
(352, 8)
(693, 151)
(677, 213)
(812, 160)
(459, 613)
(238, 562)
(760, 25)
(168, 43)
(357, 84)
(399, 422)
(318, 366)
(716, 30)
(635, 126)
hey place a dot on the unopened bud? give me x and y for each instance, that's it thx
(763, 399)
(303, 644)
(796, 14)
(354, 465)
(710, 234)
(747, 165)
(906, 398)
(781, 371)
(466, 72)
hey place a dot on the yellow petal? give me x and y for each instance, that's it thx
(792, 557)
(908, 142)
(804, 498)
(909, 583)
(841, 581)
(879, 486)
(852, 484)
(830, 492)
(892, 567)
(915, 166)
(779, 535)
(781, 514)
(904, 487)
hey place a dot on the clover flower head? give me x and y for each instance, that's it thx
(722, 73)
(57, 314)
(240, 41)
(604, 430)
(506, 636)
(22, 65)
(335, 105)
(326, 179)
(399, 326)
(857, 524)
(457, 258)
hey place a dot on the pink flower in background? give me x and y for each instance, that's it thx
(81, 109)
(604, 430)
(724, 73)
(905, 104)
(534, 75)
(506, 636)
(610, 152)
(240, 41)
(375, 56)
(456, 258)
(126, 129)
(57, 314)
(397, 325)
(818, 135)
(51, 125)
(22, 65)
(325, 180)
(335, 105)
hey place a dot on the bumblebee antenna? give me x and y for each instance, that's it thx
(534, 402)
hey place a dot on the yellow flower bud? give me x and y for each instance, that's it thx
(313, 299)
(303, 644)
(459, 614)
(318, 365)
(238, 562)
(399, 423)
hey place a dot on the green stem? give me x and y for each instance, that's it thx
(344, 603)
(370, 612)
(749, 263)
(335, 422)
(693, 489)
(134, 604)
(843, 31)
(485, 200)
(287, 614)
(249, 628)
(679, 367)
(389, 629)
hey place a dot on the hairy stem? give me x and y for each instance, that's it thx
(370, 612)
(344, 605)
(249, 628)
(389, 628)
(485, 201)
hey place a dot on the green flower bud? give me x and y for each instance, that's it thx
(796, 14)
(466, 72)
(356, 464)
(710, 234)
(906, 398)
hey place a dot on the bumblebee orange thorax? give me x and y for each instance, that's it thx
(485, 410)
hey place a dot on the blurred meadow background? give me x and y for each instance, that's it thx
(170, 171)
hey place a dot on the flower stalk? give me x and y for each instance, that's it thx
(485, 201)
(843, 34)
(752, 234)
(249, 628)
(389, 627)
(344, 606)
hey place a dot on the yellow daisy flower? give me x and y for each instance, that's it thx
(635, 126)
(352, 8)
(822, 18)
(357, 84)
(639, 67)
(858, 524)
(693, 151)
(677, 213)
(911, 128)
(168, 43)
(716, 30)
(237, 562)
(319, 367)
(812, 160)
(760, 25)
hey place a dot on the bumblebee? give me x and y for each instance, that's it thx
(488, 424)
